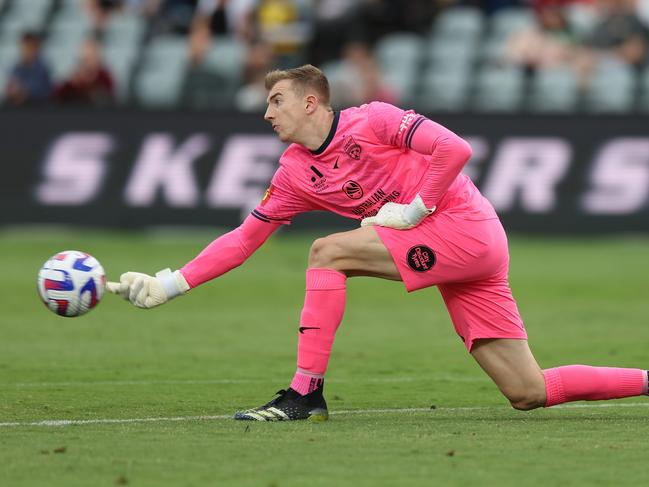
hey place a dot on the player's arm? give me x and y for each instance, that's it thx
(279, 205)
(223, 254)
(448, 154)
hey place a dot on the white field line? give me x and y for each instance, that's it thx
(79, 422)
(371, 380)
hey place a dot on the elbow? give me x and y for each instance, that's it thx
(464, 150)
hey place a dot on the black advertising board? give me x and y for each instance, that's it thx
(132, 169)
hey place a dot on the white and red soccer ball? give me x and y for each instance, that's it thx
(71, 283)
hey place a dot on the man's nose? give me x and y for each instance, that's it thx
(267, 115)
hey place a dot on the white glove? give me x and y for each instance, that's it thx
(400, 216)
(145, 291)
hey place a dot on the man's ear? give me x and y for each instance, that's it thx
(311, 103)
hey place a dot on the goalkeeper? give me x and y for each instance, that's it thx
(422, 223)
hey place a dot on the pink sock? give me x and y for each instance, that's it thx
(324, 305)
(305, 383)
(584, 383)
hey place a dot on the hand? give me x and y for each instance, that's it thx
(400, 216)
(146, 291)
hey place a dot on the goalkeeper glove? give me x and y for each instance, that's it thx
(146, 291)
(400, 216)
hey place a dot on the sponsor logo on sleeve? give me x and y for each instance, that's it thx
(267, 194)
(406, 121)
(421, 258)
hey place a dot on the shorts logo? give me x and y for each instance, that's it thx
(421, 258)
(352, 149)
(353, 190)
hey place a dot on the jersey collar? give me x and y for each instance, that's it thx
(332, 132)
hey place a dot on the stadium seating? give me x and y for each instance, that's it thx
(644, 91)
(459, 23)
(444, 90)
(457, 65)
(554, 91)
(499, 89)
(26, 15)
(506, 21)
(161, 74)
(611, 88)
(224, 58)
(399, 56)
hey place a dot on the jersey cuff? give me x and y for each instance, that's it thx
(413, 129)
(267, 219)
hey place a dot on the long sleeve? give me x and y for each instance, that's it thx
(449, 153)
(410, 131)
(228, 251)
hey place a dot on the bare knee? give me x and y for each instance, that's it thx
(526, 399)
(325, 252)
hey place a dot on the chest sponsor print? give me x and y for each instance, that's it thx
(318, 180)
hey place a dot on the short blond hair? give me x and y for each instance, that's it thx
(303, 78)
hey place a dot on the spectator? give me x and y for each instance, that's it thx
(619, 36)
(170, 16)
(551, 42)
(203, 87)
(30, 80)
(359, 79)
(283, 24)
(620, 33)
(642, 10)
(228, 17)
(336, 22)
(100, 11)
(251, 96)
(490, 6)
(91, 82)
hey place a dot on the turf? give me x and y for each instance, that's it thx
(410, 406)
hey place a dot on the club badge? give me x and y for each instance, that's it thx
(421, 258)
(353, 190)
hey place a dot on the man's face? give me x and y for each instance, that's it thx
(286, 111)
(30, 49)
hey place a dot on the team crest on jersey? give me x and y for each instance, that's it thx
(353, 190)
(267, 195)
(352, 149)
(421, 258)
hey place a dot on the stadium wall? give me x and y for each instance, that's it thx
(560, 174)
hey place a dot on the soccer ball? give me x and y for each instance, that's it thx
(71, 283)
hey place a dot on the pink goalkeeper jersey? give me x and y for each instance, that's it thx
(365, 162)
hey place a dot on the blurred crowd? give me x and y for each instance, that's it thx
(575, 34)
(601, 30)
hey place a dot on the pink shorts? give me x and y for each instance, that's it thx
(468, 260)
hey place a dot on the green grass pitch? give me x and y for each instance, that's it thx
(172, 377)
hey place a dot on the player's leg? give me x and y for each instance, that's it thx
(486, 316)
(332, 259)
(359, 252)
(512, 367)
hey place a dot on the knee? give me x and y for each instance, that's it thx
(324, 253)
(527, 398)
